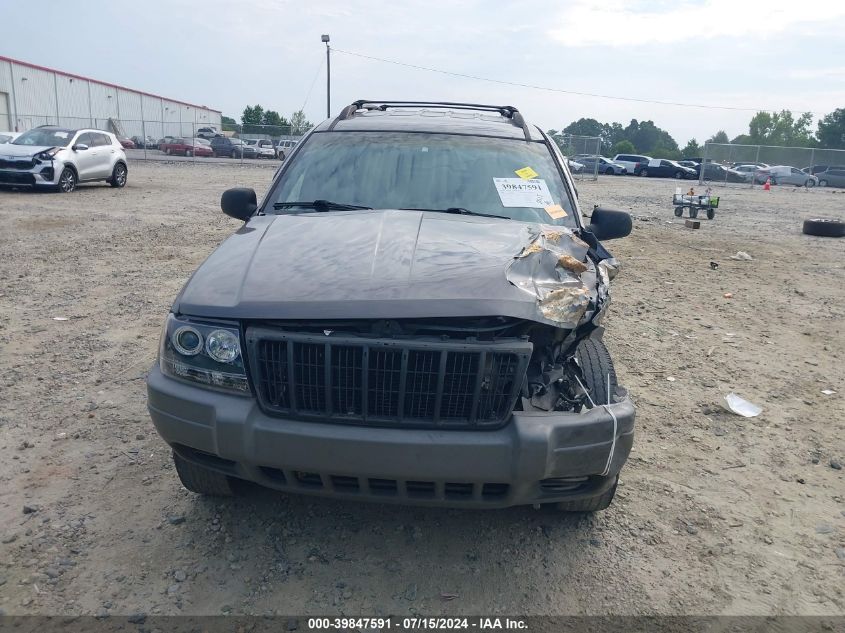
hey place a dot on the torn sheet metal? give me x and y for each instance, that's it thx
(553, 267)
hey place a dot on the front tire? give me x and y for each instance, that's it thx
(822, 183)
(644, 173)
(67, 180)
(810, 183)
(678, 175)
(202, 480)
(188, 153)
(118, 176)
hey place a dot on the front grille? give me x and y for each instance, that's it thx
(15, 178)
(420, 382)
(16, 164)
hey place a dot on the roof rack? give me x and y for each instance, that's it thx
(508, 112)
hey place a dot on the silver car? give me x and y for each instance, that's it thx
(786, 175)
(58, 158)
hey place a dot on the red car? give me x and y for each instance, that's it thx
(185, 147)
(127, 143)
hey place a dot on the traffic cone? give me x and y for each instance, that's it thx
(768, 184)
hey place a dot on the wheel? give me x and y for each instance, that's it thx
(693, 212)
(281, 155)
(167, 151)
(678, 175)
(679, 211)
(824, 227)
(590, 504)
(67, 180)
(118, 176)
(597, 368)
(711, 213)
(608, 171)
(644, 172)
(202, 480)
(188, 153)
(810, 183)
(822, 183)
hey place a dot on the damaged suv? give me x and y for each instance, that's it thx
(411, 314)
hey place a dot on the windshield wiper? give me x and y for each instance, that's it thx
(462, 211)
(318, 205)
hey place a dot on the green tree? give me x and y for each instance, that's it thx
(719, 137)
(831, 130)
(253, 115)
(691, 149)
(228, 124)
(623, 147)
(271, 117)
(646, 136)
(781, 128)
(299, 124)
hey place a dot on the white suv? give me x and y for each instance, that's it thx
(59, 158)
(284, 147)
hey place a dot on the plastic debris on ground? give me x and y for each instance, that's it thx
(742, 256)
(741, 406)
(828, 392)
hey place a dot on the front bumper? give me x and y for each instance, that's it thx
(43, 175)
(536, 458)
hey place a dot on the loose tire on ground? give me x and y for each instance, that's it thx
(824, 227)
(202, 480)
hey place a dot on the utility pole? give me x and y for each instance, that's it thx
(325, 38)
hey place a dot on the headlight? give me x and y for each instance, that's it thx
(208, 354)
(48, 154)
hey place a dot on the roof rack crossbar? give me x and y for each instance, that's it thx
(509, 112)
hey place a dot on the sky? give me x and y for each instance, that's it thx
(734, 56)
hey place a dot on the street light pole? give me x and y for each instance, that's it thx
(325, 38)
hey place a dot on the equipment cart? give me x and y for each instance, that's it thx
(694, 204)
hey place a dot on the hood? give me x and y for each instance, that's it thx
(18, 151)
(375, 264)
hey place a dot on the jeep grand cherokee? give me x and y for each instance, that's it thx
(411, 314)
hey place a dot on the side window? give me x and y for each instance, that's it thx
(665, 163)
(101, 140)
(84, 139)
(796, 171)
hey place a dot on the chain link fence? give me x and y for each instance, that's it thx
(185, 140)
(749, 165)
(582, 152)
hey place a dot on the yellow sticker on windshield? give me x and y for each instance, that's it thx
(555, 211)
(527, 173)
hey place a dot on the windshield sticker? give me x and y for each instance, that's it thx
(527, 173)
(555, 211)
(60, 134)
(519, 192)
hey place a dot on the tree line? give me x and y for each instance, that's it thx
(765, 128)
(256, 120)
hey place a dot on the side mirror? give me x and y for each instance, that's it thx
(609, 224)
(239, 203)
(79, 147)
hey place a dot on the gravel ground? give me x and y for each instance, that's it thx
(715, 514)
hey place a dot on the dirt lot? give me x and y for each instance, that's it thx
(716, 514)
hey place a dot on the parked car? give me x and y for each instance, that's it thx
(231, 147)
(691, 164)
(60, 158)
(662, 168)
(263, 148)
(145, 143)
(750, 163)
(719, 173)
(284, 147)
(833, 177)
(440, 347)
(127, 143)
(814, 169)
(787, 175)
(574, 166)
(207, 132)
(632, 162)
(188, 147)
(8, 137)
(604, 166)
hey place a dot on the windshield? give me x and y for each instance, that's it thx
(407, 170)
(45, 138)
